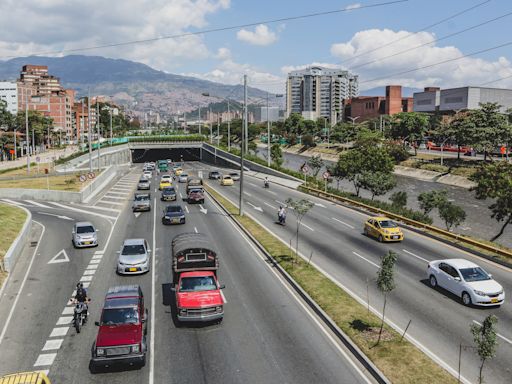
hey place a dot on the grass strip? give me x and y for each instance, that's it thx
(399, 360)
(70, 183)
(13, 219)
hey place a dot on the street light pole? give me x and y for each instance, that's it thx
(27, 137)
(229, 128)
(268, 136)
(15, 151)
(353, 119)
(111, 138)
(241, 199)
(98, 129)
(89, 137)
(82, 121)
(199, 120)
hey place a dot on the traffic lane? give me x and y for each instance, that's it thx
(414, 299)
(255, 342)
(49, 284)
(72, 362)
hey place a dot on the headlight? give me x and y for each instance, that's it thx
(500, 292)
(167, 218)
(480, 293)
(100, 351)
(182, 217)
(136, 348)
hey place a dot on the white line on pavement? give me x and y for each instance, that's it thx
(152, 318)
(13, 306)
(86, 278)
(497, 334)
(272, 193)
(342, 222)
(104, 208)
(96, 257)
(268, 205)
(37, 204)
(247, 193)
(195, 230)
(45, 359)
(307, 226)
(186, 209)
(15, 202)
(95, 261)
(59, 331)
(89, 272)
(254, 185)
(65, 320)
(365, 259)
(68, 310)
(416, 256)
(108, 202)
(83, 211)
(52, 345)
(92, 266)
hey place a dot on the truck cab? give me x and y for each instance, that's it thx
(122, 330)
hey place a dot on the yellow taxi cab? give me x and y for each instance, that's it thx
(37, 377)
(383, 229)
(178, 171)
(164, 183)
(226, 180)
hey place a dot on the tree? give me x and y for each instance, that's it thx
(344, 132)
(489, 124)
(309, 127)
(378, 183)
(300, 208)
(433, 199)
(308, 141)
(386, 282)
(294, 124)
(409, 125)
(486, 342)
(316, 163)
(459, 130)
(276, 154)
(494, 181)
(452, 214)
(399, 199)
(367, 138)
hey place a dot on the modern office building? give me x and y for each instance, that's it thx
(9, 94)
(320, 92)
(261, 114)
(448, 101)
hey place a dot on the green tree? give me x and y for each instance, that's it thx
(308, 141)
(300, 209)
(458, 130)
(432, 199)
(411, 126)
(399, 199)
(486, 342)
(315, 163)
(378, 183)
(367, 138)
(294, 124)
(397, 152)
(452, 215)
(344, 132)
(309, 127)
(494, 181)
(386, 282)
(489, 125)
(276, 154)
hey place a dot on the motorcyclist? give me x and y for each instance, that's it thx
(266, 182)
(281, 214)
(81, 297)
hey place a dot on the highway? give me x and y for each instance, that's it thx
(332, 234)
(267, 334)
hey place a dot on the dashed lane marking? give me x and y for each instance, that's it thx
(37, 204)
(195, 230)
(109, 202)
(92, 266)
(59, 331)
(15, 202)
(89, 272)
(86, 278)
(68, 311)
(247, 193)
(308, 227)
(342, 222)
(268, 205)
(272, 193)
(186, 209)
(414, 255)
(45, 359)
(65, 320)
(223, 297)
(52, 345)
(365, 259)
(95, 261)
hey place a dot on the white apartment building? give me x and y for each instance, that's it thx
(319, 92)
(9, 94)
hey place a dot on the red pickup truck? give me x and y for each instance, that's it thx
(197, 290)
(122, 329)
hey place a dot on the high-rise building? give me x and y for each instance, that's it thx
(319, 92)
(261, 114)
(9, 94)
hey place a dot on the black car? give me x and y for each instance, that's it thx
(168, 194)
(215, 175)
(173, 214)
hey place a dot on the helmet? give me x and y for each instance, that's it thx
(79, 285)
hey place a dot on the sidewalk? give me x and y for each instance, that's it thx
(44, 157)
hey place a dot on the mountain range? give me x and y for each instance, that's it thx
(135, 85)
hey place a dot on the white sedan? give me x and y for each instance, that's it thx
(466, 280)
(166, 178)
(183, 178)
(148, 174)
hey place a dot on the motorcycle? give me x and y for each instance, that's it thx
(281, 219)
(267, 184)
(79, 315)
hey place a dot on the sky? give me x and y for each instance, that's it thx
(413, 43)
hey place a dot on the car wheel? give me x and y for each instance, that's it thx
(73, 242)
(365, 231)
(466, 299)
(433, 281)
(202, 201)
(381, 239)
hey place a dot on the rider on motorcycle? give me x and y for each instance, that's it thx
(281, 214)
(266, 182)
(81, 297)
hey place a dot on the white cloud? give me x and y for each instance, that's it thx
(353, 6)
(223, 54)
(57, 25)
(363, 55)
(262, 35)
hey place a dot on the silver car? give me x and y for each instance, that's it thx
(133, 257)
(141, 202)
(144, 184)
(84, 235)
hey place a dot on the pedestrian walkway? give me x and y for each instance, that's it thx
(44, 157)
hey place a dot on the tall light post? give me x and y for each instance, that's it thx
(210, 124)
(89, 136)
(353, 119)
(241, 198)
(82, 122)
(229, 128)
(98, 130)
(199, 120)
(27, 137)
(15, 151)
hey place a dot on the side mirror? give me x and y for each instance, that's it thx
(489, 275)
(222, 286)
(456, 278)
(97, 323)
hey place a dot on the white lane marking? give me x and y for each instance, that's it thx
(272, 193)
(283, 204)
(416, 256)
(89, 272)
(52, 345)
(13, 307)
(95, 261)
(68, 310)
(365, 259)
(497, 334)
(153, 304)
(45, 359)
(223, 297)
(108, 198)
(320, 205)
(342, 222)
(100, 252)
(255, 207)
(195, 230)
(247, 193)
(86, 284)
(60, 257)
(254, 185)
(59, 331)
(96, 257)
(117, 193)
(15, 202)
(109, 202)
(268, 205)
(92, 266)
(104, 208)
(86, 278)
(181, 196)
(307, 226)
(37, 204)
(83, 211)
(137, 214)
(203, 210)
(58, 216)
(65, 320)
(186, 209)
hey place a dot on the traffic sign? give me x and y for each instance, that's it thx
(326, 175)
(91, 175)
(83, 178)
(305, 169)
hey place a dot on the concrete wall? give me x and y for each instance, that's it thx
(19, 243)
(119, 154)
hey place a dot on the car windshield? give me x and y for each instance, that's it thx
(197, 284)
(141, 197)
(169, 191)
(120, 316)
(196, 191)
(85, 229)
(143, 181)
(172, 208)
(183, 175)
(136, 249)
(388, 224)
(234, 174)
(474, 274)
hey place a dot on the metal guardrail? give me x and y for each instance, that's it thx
(451, 235)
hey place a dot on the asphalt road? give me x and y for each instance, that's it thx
(332, 234)
(478, 221)
(266, 336)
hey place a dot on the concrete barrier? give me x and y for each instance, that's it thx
(117, 155)
(16, 248)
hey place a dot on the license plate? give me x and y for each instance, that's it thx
(494, 300)
(132, 269)
(87, 242)
(396, 237)
(175, 220)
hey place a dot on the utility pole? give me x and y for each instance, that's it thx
(210, 123)
(33, 142)
(241, 198)
(27, 137)
(89, 137)
(268, 136)
(199, 120)
(218, 135)
(229, 128)
(111, 138)
(82, 130)
(15, 151)
(98, 129)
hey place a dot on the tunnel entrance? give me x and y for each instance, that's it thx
(175, 154)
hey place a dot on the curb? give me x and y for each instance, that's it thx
(16, 248)
(342, 336)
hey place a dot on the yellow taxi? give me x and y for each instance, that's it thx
(164, 183)
(25, 378)
(383, 229)
(178, 171)
(226, 180)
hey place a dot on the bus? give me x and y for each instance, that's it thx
(162, 165)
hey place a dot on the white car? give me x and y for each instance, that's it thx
(133, 257)
(166, 178)
(147, 174)
(466, 280)
(183, 178)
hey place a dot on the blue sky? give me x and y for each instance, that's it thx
(268, 51)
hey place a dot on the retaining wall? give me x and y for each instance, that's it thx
(19, 243)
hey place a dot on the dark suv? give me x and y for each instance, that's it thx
(122, 329)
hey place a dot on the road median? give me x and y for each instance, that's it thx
(397, 358)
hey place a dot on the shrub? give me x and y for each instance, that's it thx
(397, 152)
